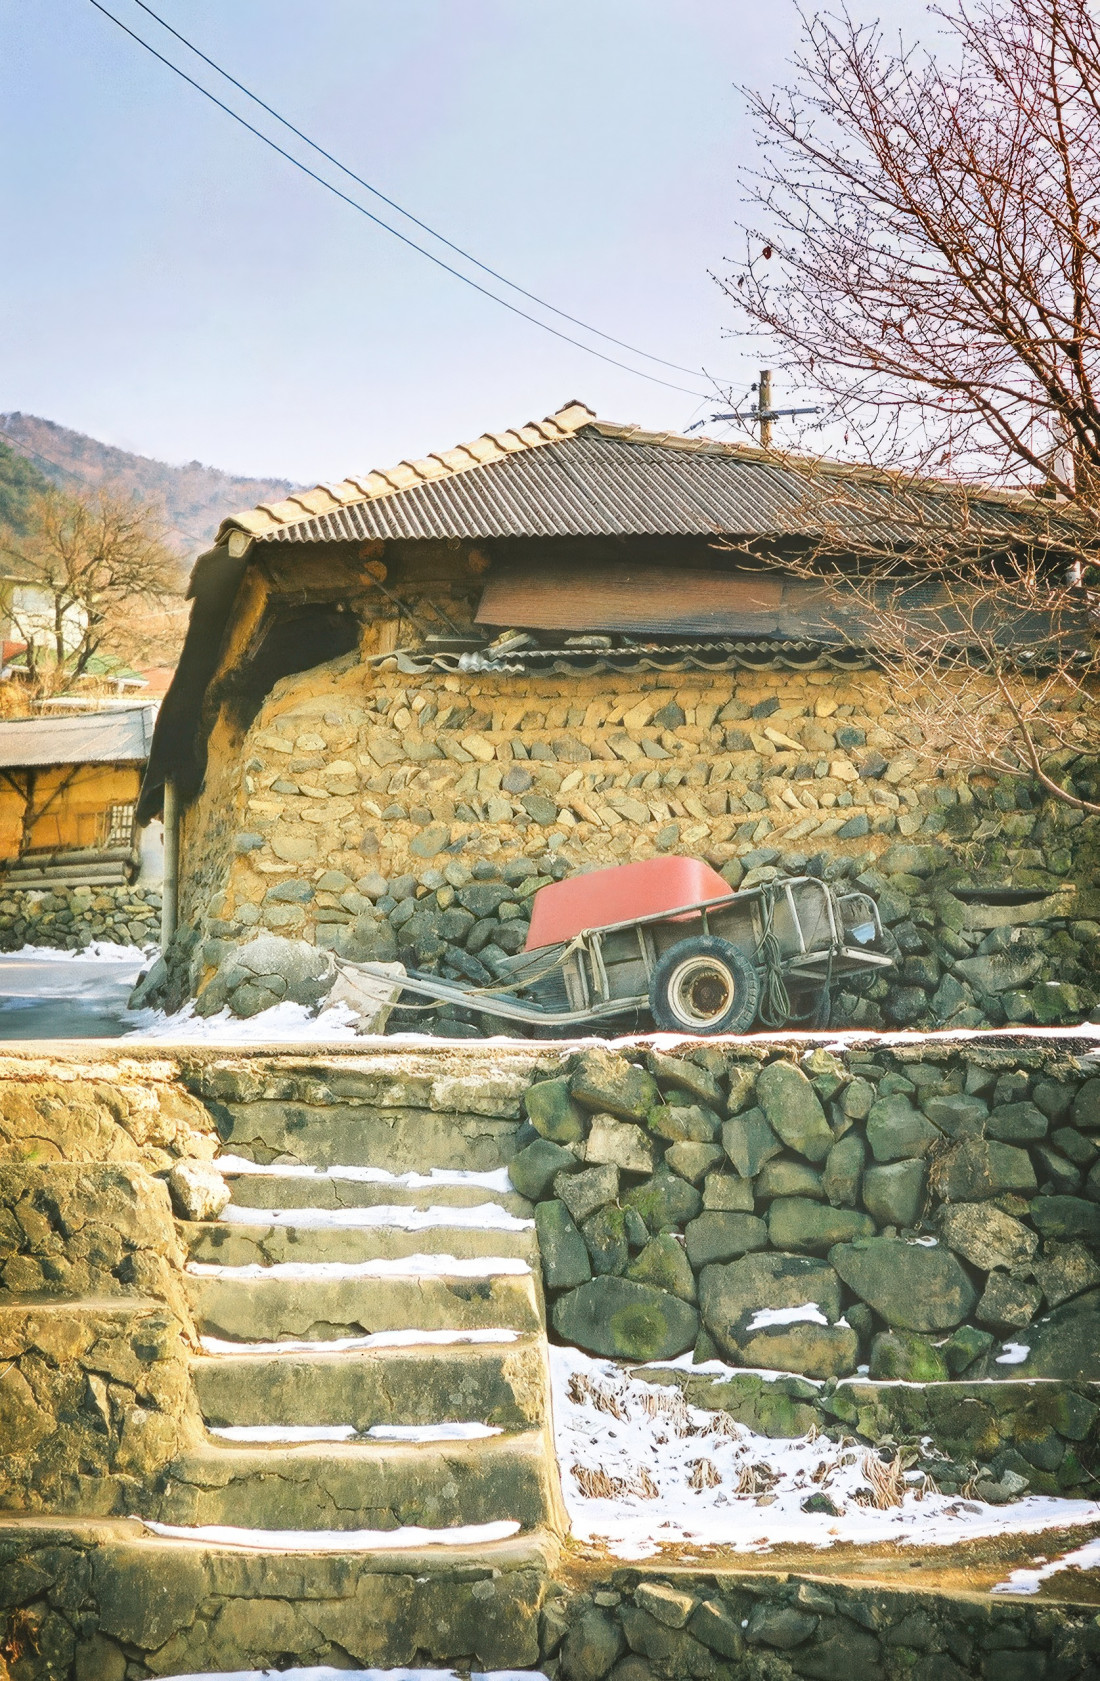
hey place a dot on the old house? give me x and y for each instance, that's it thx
(68, 795)
(408, 698)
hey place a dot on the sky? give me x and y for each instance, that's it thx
(172, 286)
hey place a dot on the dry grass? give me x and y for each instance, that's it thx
(704, 1474)
(598, 1485)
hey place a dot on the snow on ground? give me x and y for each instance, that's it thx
(1027, 1581)
(102, 951)
(641, 1468)
(325, 1673)
(337, 1540)
(407, 1266)
(483, 1216)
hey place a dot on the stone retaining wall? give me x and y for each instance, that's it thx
(918, 1213)
(639, 1625)
(384, 816)
(983, 1440)
(70, 918)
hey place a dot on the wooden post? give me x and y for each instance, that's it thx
(763, 408)
(170, 890)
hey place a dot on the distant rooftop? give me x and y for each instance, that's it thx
(110, 738)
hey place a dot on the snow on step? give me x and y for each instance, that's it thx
(284, 1434)
(447, 1432)
(482, 1216)
(1028, 1581)
(288, 1434)
(340, 1345)
(337, 1540)
(496, 1180)
(407, 1266)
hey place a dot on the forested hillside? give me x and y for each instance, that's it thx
(20, 480)
(195, 498)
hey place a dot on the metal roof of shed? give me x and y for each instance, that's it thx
(573, 475)
(85, 738)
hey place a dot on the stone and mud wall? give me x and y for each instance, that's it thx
(386, 816)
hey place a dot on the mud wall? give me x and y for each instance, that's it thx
(383, 815)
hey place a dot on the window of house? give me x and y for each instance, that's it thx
(120, 825)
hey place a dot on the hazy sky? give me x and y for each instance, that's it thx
(172, 286)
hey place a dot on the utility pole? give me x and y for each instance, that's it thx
(764, 409)
(763, 412)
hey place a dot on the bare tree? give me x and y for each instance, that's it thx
(92, 568)
(924, 243)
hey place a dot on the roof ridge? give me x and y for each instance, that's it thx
(267, 517)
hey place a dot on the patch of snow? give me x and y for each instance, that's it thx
(719, 1369)
(102, 951)
(484, 1216)
(497, 1180)
(283, 1024)
(641, 1468)
(408, 1266)
(433, 1432)
(337, 1540)
(283, 1432)
(1027, 1581)
(808, 1314)
(343, 1345)
(1015, 1353)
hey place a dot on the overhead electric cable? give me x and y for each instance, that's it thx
(377, 193)
(448, 268)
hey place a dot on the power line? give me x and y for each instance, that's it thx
(376, 192)
(448, 268)
(18, 443)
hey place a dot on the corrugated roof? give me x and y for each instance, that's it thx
(84, 738)
(573, 475)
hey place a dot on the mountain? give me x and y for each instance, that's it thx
(20, 480)
(195, 498)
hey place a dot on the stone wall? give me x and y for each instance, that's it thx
(773, 1626)
(381, 816)
(922, 1213)
(70, 918)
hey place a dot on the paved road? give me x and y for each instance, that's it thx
(65, 997)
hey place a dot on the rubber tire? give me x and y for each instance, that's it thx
(741, 1013)
(817, 1003)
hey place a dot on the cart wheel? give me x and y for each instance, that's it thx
(811, 1008)
(704, 985)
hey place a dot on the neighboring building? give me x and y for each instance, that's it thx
(68, 794)
(574, 644)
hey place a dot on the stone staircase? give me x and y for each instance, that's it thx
(369, 1474)
(298, 1282)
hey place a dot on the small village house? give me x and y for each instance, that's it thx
(408, 697)
(68, 795)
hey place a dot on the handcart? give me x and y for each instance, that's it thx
(668, 937)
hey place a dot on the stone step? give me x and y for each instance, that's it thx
(359, 1135)
(362, 1485)
(191, 1607)
(255, 1308)
(323, 1190)
(233, 1244)
(502, 1384)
